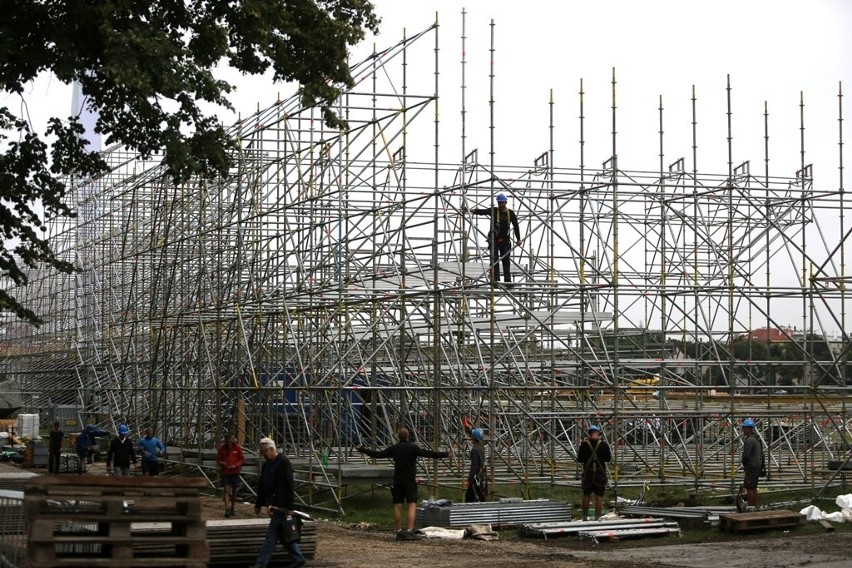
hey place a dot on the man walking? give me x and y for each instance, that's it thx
(54, 448)
(751, 460)
(404, 455)
(499, 241)
(121, 453)
(150, 448)
(86, 445)
(276, 492)
(593, 455)
(230, 459)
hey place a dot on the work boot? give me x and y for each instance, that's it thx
(227, 512)
(231, 510)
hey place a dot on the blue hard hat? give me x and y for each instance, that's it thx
(90, 427)
(748, 423)
(593, 428)
(477, 434)
(123, 429)
(501, 198)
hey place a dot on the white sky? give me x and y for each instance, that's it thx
(773, 50)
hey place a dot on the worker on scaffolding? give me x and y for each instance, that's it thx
(499, 240)
(593, 455)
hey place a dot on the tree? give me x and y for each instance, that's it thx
(145, 66)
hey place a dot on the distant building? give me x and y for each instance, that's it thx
(772, 334)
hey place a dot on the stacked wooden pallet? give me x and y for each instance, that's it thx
(87, 520)
(760, 520)
(236, 542)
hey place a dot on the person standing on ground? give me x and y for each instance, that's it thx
(150, 448)
(477, 488)
(276, 492)
(594, 454)
(230, 459)
(86, 445)
(499, 241)
(404, 455)
(54, 448)
(121, 453)
(751, 460)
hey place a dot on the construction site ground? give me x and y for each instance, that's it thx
(351, 544)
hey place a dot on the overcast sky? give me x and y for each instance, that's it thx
(773, 50)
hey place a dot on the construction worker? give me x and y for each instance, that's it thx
(477, 481)
(54, 448)
(751, 461)
(230, 459)
(150, 448)
(121, 453)
(404, 455)
(276, 492)
(499, 241)
(594, 454)
(86, 445)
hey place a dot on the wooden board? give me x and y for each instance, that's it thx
(87, 521)
(760, 520)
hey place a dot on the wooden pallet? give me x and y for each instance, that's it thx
(86, 521)
(236, 542)
(760, 520)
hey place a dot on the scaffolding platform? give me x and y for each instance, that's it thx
(346, 473)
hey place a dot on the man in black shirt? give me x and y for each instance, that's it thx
(751, 460)
(121, 453)
(404, 455)
(54, 448)
(593, 455)
(477, 488)
(276, 490)
(499, 241)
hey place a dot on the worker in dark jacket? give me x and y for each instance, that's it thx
(54, 448)
(121, 453)
(477, 487)
(751, 460)
(276, 492)
(499, 239)
(594, 454)
(404, 455)
(86, 445)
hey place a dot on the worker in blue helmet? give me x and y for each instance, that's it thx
(752, 461)
(477, 479)
(593, 456)
(499, 239)
(121, 453)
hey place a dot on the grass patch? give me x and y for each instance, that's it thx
(373, 504)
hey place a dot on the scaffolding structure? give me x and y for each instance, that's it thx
(330, 290)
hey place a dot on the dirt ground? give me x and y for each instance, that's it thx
(350, 545)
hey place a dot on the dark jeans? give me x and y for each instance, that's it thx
(500, 247)
(271, 539)
(53, 461)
